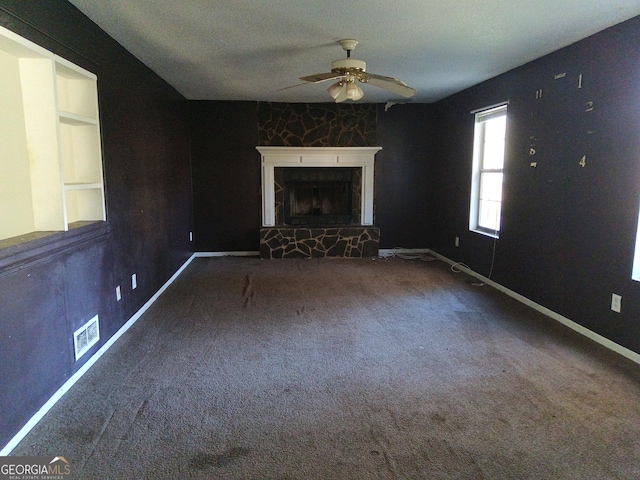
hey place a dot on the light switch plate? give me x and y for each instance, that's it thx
(616, 302)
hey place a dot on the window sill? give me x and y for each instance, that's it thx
(486, 233)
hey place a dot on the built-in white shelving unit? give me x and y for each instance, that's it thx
(50, 157)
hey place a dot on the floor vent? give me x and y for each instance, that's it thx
(86, 337)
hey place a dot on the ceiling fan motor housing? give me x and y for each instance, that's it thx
(348, 65)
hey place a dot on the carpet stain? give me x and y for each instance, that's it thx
(82, 433)
(206, 460)
(442, 456)
(247, 290)
(436, 417)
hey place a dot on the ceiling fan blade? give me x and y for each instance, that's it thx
(292, 86)
(391, 84)
(321, 77)
(318, 78)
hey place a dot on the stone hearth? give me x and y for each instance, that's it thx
(289, 242)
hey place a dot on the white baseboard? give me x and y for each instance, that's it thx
(33, 421)
(390, 252)
(625, 352)
(228, 254)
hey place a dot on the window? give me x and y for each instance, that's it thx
(488, 163)
(635, 274)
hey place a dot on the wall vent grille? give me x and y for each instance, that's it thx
(86, 337)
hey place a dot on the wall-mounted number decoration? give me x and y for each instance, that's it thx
(583, 161)
(539, 93)
(532, 151)
(560, 75)
(580, 81)
(589, 107)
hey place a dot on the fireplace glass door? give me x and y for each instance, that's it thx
(318, 196)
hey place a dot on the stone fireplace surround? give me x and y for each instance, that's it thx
(284, 241)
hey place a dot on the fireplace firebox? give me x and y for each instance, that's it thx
(317, 196)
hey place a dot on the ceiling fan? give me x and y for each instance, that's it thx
(348, 70)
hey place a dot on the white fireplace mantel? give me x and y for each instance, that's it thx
(272, 157)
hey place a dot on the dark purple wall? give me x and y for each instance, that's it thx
(226, 168)
(48, 289)
(568, 232)
(402, 190)
(226, 176)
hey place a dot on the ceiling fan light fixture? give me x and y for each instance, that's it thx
(335, 89)
(353, 91)
(360, 94)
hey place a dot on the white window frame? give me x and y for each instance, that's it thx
(481, 116)
(635, 273)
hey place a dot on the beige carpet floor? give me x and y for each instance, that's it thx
(346, 369)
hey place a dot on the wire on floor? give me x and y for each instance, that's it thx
(398, 252)
(455, 269)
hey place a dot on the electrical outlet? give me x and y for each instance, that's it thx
(134, 281)
(616, 302)
(457, 241)
(118, 294)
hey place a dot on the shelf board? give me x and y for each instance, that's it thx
(75, 119)
(81, 186)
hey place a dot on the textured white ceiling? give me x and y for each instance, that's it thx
(249, 49)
